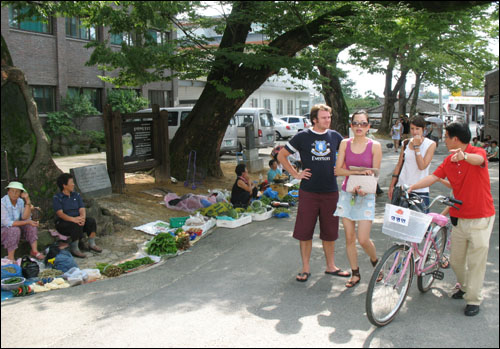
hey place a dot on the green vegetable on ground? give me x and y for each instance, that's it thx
(135, 263)
(161, 244)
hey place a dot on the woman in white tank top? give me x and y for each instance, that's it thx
(417, 159)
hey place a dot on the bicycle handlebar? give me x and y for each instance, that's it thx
(455, 201)
(446, 200)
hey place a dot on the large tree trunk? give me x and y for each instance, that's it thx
(390, 96)
(402, 99)
(214, 109)
(335, 99)
(416, 93)
(24, 139)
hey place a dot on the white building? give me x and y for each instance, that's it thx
(276, 94)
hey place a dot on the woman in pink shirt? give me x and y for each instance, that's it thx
(359, 206)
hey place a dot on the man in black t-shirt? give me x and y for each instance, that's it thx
(318, 193)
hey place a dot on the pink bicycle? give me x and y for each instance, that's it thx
(417, 255)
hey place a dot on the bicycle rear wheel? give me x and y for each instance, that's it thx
(434, 251)
(385, 298)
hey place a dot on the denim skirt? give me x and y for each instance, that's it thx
(362, 208)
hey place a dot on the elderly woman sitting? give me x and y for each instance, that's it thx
(16, 221)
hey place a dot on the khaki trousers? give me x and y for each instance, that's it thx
(470, 240)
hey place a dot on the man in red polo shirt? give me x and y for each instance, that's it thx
(467, 170)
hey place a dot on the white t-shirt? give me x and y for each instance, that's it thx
(396, 131)
(410, 173)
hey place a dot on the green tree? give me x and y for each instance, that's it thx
(425, 43)
(234, 69)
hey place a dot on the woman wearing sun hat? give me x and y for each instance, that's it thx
(17, 222)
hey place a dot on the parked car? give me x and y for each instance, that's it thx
(283, 129)
(263, 123)
(300, 121)
(176, 115)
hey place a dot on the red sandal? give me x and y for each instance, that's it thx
(40, 256)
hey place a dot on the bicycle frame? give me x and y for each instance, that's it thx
(414, 250)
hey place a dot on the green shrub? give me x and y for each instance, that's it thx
(98, 138)
(60, 123)
(78, 106)
(126, 101)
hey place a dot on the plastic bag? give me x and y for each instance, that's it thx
(65, 261)
(93, 274)
(271, 194)
(29, 267)
(11, 270)
(195, 220)
(75, 276)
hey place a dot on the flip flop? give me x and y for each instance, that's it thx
(337, 273)
(302, 275)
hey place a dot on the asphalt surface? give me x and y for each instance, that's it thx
(237, 288)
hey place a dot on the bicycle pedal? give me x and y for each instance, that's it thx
(439, 275)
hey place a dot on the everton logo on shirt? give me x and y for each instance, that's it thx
(321, 148)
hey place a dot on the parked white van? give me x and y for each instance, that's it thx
(263, 123)
(176, 115)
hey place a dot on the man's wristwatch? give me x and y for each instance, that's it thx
(465, 156)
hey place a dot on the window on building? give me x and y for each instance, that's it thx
(289, 107)
(304, 107)
(279, 107)
(254, 103)
(44, 97)
(34, 24)
(93, 94)
(267, 104)
(162, 98)
(75, 29)
(117, 39)
(158, 37)
(493, 117)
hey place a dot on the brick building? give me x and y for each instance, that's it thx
(52, 56)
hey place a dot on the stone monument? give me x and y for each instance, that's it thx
(92, 181)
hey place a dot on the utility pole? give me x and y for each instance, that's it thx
(440, 96)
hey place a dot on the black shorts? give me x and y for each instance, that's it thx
(312, 206)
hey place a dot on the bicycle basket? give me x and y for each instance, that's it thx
(415, 229)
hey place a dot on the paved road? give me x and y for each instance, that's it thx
(237, 288)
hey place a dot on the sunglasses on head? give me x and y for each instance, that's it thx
(362, 124)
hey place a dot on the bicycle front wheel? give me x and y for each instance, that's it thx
(385, 298)
(434, 251)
